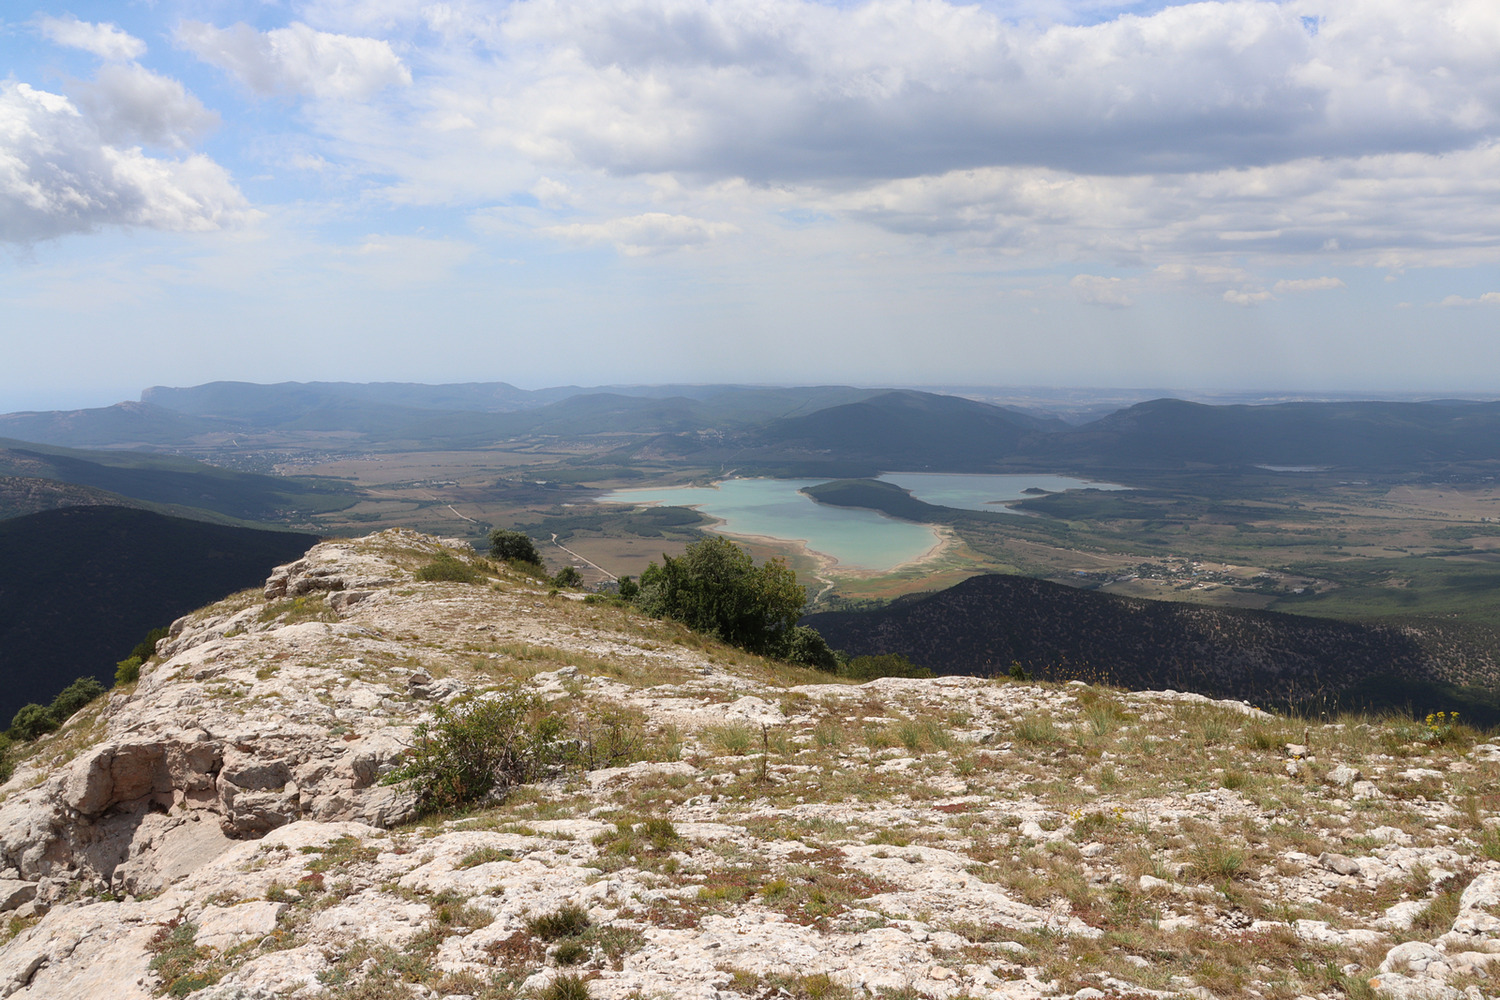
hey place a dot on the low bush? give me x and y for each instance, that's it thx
(569, 921)
(73, 697)
(868, 668)
(128, 671)
(448, 568)
(806, 646)
(566, 987)
(32, 720)
(480, 749)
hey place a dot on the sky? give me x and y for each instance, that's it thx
(1293, 196)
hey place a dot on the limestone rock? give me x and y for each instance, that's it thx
(223, 927)
(14, 892)
(1344, 776)
(1338, 863)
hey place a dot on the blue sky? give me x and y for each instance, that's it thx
(1291, 195)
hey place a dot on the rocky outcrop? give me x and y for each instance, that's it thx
(746, 831)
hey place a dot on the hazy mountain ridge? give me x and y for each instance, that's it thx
(848, 430)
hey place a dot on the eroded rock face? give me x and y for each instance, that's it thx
(243, 722)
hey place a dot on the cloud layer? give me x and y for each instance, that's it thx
(59, 175)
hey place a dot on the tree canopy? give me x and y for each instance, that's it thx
(715, 587)
(513, 546)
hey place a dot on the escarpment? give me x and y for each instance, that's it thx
(713, 825)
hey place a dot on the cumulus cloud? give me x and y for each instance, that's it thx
(1246, 296)
(1100, 291)
(1458, 301)
(297, 59)
(130, 104)
(1306, 285)
(59, 175)
(107, 41)
(640, 235)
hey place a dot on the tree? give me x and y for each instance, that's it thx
(715, 587)
(513, 546)
(567, 577)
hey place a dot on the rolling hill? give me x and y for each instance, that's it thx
(981, 626)
(174, 484)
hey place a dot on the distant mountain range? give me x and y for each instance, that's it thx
(79, 587)
(817, 430)
(984, 624)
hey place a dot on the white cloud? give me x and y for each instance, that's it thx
(640, 235)
(1246, 297)
(1306, 285)
(107, 41)
(297, 59)
(130, 104)
(1100, 291)
(1458, 301)
(58, 175)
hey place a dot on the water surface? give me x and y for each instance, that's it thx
(859, 539)
(855, 538)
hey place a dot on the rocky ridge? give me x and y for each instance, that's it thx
(221, 829)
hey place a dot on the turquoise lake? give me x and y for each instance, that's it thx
(773, 508)
(857, 539)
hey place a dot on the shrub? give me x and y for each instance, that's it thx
(448, 568)
(567, 577)
(806, 646)
(128, 671)
(867, 668)
(513, 546)
(716, 588)
(31, 721)
(73, 697)
(146, 648)
(479, 749)
(568, 922)
(567, 987)
(629, 588)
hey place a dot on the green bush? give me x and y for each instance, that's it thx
(448, 568)
(566, 987)
(73, 697)
(568, 922)
(868, 668)
(481, 748)
(31, 721)
(513, 546)
(146, 648)
(567, 577)
(806, 646)
(716, 588)
(128, 671)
